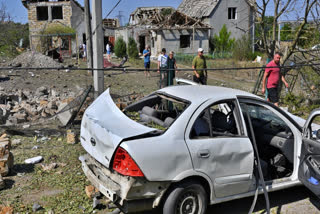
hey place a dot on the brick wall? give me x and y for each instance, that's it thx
(36, 26)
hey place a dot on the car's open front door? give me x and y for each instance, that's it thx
(309, 167)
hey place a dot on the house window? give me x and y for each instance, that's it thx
(185, 41)
(42, 13)
(57, 12)
(232, 13)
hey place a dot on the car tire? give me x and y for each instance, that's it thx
(189, 197)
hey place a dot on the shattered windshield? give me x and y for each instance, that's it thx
(156, 111)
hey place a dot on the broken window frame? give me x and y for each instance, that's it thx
(232, 13)
(165, 103)
(225, 108)
(41, 10)
(185, 41)
(55, 14)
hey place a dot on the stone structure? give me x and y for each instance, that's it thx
(109, 27)
(45, 13)
(237, 15)
(164, 27)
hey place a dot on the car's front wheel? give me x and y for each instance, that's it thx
(186, 198)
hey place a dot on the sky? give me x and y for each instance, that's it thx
(19, 13)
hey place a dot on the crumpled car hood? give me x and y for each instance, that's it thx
(104, 126)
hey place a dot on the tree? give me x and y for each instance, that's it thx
(4, 15)
(303, 10)
(120, 48)
(286, 32)
(132, 48)
(223, 42)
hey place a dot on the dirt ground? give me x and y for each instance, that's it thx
(61, 189)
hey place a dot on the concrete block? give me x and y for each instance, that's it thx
(64, 117)
(5, 147)
(6, 163)
(2, 185)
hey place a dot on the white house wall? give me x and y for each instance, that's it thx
(243, 23)
(170, 39)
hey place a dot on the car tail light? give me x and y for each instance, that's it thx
(125, 165)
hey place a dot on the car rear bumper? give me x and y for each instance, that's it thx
(130, 194)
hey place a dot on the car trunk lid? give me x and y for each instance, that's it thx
(104, 126)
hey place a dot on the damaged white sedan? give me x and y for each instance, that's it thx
(184, 147)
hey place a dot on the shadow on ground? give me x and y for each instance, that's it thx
(22, 168)
(281, 201)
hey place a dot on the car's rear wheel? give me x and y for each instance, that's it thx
(186, 198)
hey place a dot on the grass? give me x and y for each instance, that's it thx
(60, 189)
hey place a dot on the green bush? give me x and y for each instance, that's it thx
(59, 29)
(120, 48)
(132, 49)
(222, 42)
(10, 36)
(243, 49)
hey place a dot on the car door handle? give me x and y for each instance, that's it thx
(204, 153)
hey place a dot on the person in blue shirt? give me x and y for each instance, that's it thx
(147, 53)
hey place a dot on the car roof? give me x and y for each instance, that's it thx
(202, 93)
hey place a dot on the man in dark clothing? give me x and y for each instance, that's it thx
(172, 68)
(272, 72)
(199, 68)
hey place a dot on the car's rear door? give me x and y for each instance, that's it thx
(309, 168)
(226, 156)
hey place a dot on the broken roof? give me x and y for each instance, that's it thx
(198, 8)
(157, 19)
(149, 9)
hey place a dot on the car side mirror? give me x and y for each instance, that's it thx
(318, 134)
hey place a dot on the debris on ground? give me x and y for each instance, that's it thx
(34, 160)
(2, 185)
(6, 157)
(21, 106)
(6, 210)
(91, 191)
(71, 137)
(95, 203)
(49, 167)
(35, 60)
(36, 207)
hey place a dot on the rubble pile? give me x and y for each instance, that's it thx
(124, 101)
(20, 106)
(35, 60)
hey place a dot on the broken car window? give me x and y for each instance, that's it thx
(216, 120)
(157, 111)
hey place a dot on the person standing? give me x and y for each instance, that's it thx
(163, 68)
(272, 72)
(84, 49)
(172, 68)
(108, 49)
(147, 53)
(199, 66)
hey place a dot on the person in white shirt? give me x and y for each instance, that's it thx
(108, 48)
(163, 68)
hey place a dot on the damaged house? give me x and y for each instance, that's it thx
(109, 27)
(237, 15)
(55, 24)
(164, 27)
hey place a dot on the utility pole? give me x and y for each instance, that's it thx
(120, 16)
(88, 34)
(97, 34)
